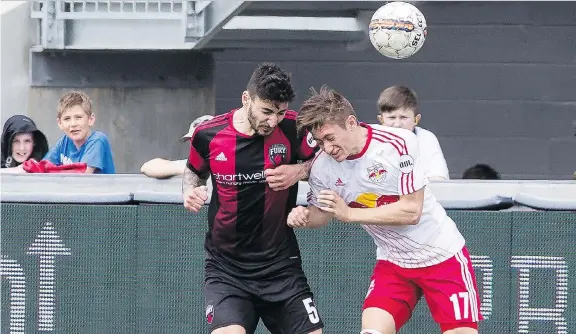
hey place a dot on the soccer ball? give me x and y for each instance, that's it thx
(397, 30)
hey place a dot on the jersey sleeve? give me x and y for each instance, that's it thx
(307, 146)
(411, 175)
(197, 158)
(317, 183)
(53, 155)
(432, 155)
(94, 155)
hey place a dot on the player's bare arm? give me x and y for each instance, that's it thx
(318, 218)
(406, 211)
(194, 190)
(310, 217)
(161, 168)
(304, 169)
(285, 176)
(191, 180)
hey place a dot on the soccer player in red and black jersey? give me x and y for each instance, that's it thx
(255, 158)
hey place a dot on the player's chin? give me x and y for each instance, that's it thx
(339, 156)
(265, 131)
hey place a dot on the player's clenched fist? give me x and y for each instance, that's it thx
(298, 217)
(195, 198)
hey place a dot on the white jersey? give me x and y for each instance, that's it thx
(431, 154)
(387, 168)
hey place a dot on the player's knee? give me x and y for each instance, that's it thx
(232, 329)
(462, 329)
(370, 331)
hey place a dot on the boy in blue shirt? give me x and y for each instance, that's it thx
(79, 143)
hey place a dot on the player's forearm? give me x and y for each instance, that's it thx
(304, 169)
(392, 214)
(160, 168)
(318, 218)
(191, 180)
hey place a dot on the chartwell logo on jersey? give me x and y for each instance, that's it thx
(277, 154)
(240, 178)
(376, 173)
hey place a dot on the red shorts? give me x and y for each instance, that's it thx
(449, 288)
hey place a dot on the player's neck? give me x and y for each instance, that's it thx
(360, 138)
(241, 123)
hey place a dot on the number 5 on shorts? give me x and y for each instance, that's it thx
(311, 309)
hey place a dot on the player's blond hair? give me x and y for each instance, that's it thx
(73, 99)
(324, 107)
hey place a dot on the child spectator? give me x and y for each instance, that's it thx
(21, 141)
(80, 143)
(398, 108)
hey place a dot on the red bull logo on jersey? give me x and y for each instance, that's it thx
(372, 200)
(377, 173)
(277, 154)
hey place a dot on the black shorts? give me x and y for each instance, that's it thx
(283, 300)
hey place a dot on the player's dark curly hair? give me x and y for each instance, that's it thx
(270, 83)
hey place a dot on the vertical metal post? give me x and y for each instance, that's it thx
(52, 28)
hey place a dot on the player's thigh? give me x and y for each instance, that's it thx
(392, 293)
(287, 303)
(296, 315)
(451, 293)
(229, 309)
(377, 321)
(461, 330)
(232, 329)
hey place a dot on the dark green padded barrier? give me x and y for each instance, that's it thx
(139, 269)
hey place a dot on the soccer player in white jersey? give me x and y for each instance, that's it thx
(398, 107)
(373, 175)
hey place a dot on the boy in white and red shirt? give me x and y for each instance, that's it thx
(398, 108)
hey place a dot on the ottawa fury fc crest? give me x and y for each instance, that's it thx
(277, 154)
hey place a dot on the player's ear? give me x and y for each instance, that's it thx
(245, 97)
(380, 118)
(417, 119)
(352, 122)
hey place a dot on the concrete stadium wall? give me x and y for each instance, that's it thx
(17, 35)
(496, 82)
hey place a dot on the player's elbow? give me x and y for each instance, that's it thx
(413, 218)
(413, 213)
(148, 166)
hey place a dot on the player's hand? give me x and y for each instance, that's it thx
(334, 204)
(298, 217)
(283, 177)
(195, 198)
